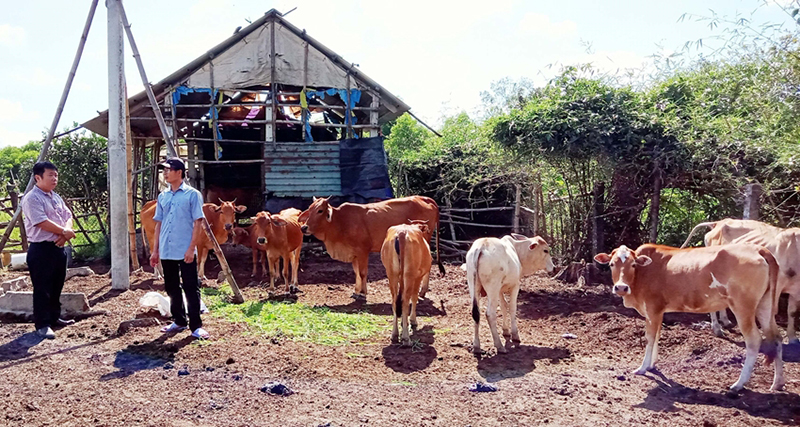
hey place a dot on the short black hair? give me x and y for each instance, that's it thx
(40, 167)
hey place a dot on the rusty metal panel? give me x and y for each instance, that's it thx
(302, 169)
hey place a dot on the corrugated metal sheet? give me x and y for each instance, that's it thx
(303, 169)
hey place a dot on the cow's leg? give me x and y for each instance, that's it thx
(476, 317)
(504, 311)
(424, 288)
(295, 268)
(774, 341)
(791, 311)
(255, 262)
(405, 309)
(723, 319)
(413, 297)
(274, 270)
(491, 318)
(652, 333)
(394, 288)
(715, 327)
(512, 308)
(360, 267)
(752, 342)
(263, 256)
(286, 257)
(202, 254)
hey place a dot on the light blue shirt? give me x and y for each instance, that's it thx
(177, 212)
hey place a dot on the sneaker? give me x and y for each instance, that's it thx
(172, 328)
(200, 334)
(63, 322)
(46, 332)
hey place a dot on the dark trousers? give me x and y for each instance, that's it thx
(47, 264)
(191, 287)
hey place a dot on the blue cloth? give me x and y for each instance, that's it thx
(212, 112)
(177, 212)
(355, 98)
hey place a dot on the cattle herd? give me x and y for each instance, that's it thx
(744, 266)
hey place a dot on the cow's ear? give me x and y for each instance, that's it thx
(313, 199)
(330, 214)
(277, 221)
(518, 237)
(602, 258)
(533, 245)
(643, 260)
(252, 218)
(217, 208)
(241, 208)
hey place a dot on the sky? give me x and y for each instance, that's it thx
(435, 55)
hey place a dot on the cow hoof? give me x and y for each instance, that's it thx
(719, 333)
(359, 297)
(502, 350)
(477, 351)
(414, 326)
(640, 371)
(516, 341)
(294, 289)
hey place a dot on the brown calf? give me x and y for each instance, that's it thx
(281, 236)
(406, 255)
(246, 236)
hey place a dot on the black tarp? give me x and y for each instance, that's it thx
(365, 176)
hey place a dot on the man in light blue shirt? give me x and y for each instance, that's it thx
(178, 217)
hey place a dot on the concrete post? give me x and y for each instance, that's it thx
(117, 155)
(752, 201)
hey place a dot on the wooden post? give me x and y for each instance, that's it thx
(214, 109)
(226, 269)
(517, 197)
(373, 114)
(272, 130)
(12, 194)
(752, 201)
(131, 210)
(598, 226)
(655, 203)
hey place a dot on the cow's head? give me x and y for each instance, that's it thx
(420, 224)
(623, 262)
(533, 253)
(227, 213)
(266, 226)
(315, 219)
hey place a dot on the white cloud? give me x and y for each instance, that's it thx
(11, 36)
(37, 77)
(12, 137)
(538, 24)
(12, 111)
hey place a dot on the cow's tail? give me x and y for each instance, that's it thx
(399, 248)
(694, 230)
(769, 303)
(475, 286)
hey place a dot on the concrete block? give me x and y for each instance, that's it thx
(15, 284)
(79, 271)
(21, 303)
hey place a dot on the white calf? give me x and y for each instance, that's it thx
(495, 266)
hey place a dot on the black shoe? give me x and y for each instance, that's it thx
(63, 322)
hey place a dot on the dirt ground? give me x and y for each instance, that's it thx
(90, 375)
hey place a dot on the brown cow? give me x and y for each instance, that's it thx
(220, 218)
(406, 255)
(783, 243)
(351, 231)
(658, 279)
(246, 236)
(281, 236)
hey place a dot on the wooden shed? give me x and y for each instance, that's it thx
(269, 113)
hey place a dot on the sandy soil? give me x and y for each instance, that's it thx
(90, 375)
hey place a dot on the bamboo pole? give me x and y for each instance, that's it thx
(51, 131)
(148, 89)
(131, 210)
(226, 269)
(272, 130)
(515, 221)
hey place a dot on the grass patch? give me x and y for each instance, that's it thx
(295, 321)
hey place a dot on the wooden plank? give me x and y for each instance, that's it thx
(310, 182)
(282, 169)
(305, 155)
(302, 161)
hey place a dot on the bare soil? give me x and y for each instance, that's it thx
(90, 375)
